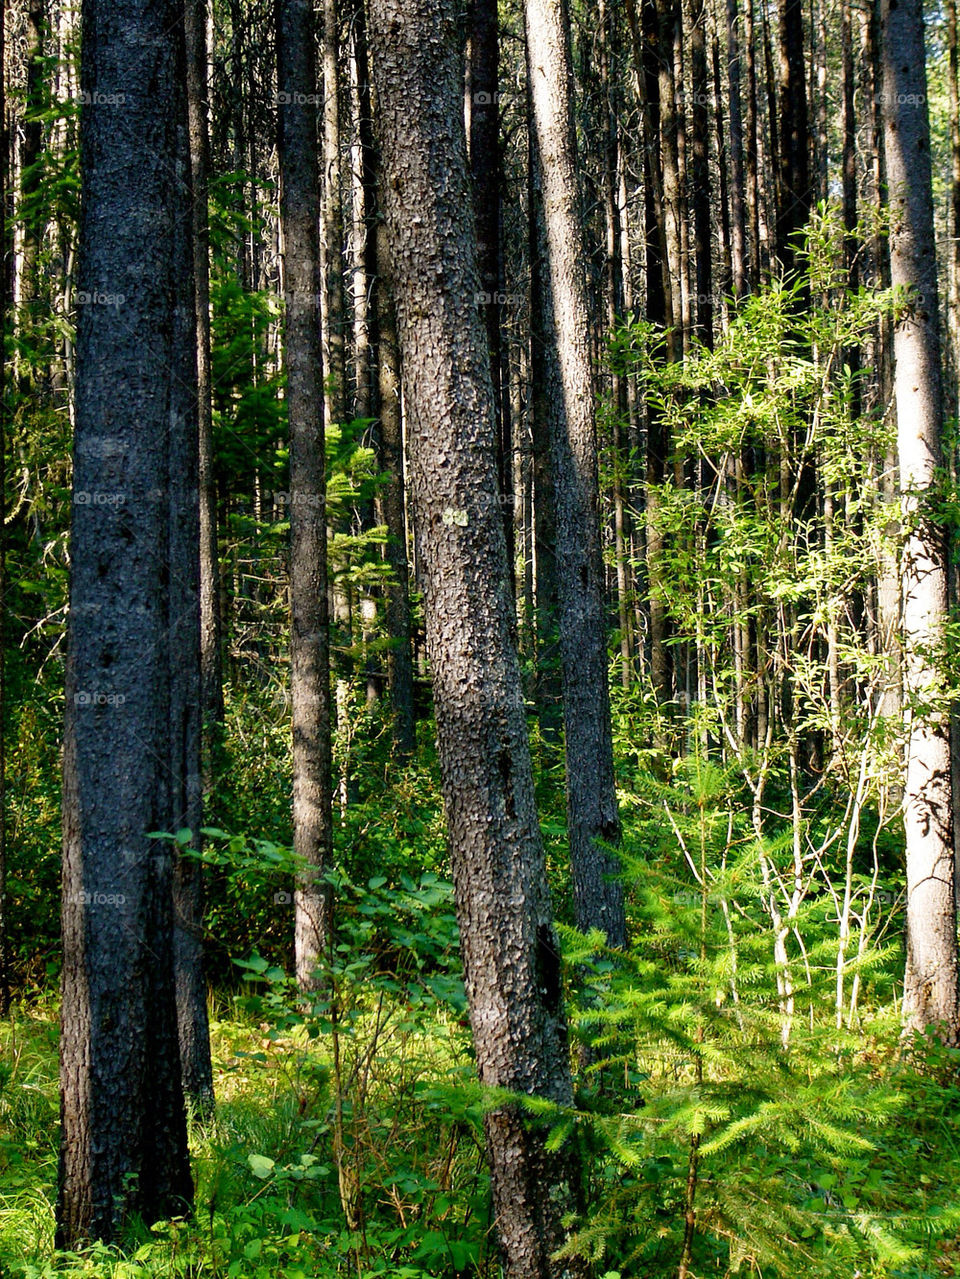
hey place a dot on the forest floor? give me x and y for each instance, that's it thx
(282, 1214)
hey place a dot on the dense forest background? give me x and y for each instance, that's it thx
(729, 554)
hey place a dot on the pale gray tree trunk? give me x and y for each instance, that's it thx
(930, 981)
(131, 744)
(309, 633)
(511, 963)
(592, 816)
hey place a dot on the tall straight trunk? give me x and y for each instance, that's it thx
(383, 337)
(309, 632)
(738, 233)
(700, 175)
(614, 299)
(658, 310)
(545, 389)
(794, 188)
(334, 310)
(752, 152)
(930, 980)
(509, 946)
(953, 310)
(131, 743)
(5, 311)
(195, 1064)
(668, 17)
(726, 275)
(31, 217)
(400, 654)
(591, 792)
(483, 66)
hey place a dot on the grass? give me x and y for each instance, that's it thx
(288, 1184)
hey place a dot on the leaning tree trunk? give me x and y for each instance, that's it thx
(131, 746)
(309, 633)
(592, 817)
(930, 981)
(512, 968)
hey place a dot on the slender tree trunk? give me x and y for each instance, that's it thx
(483, 66)
(591, 792)
(131, 747)
(700, 175)
(953, 256)
(309, 634)
(31, 150)
(752, 152)
(383, 334)
(503, 904)
(400, 656)
(545, 389)
(668, 15)
(5, 315)
(738, 234)
(794, 187)
(930, 981)
(195, 1064)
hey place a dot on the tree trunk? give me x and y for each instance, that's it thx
(738, 235)
(131, 746)
(309, 634)
(700, 175)
(503, 904)
(794, 185)
(483, 65)
(195, 1064)
(400, 655)
(930, 981)
(591, 792)
(383, 336)
(545, 389)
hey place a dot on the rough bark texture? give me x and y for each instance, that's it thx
(738, 235)
(700, 176)
(211, 662)
(383, 337)
(930, 981)
(400, 654)
(794, 186)
(545, 389)
(591, 793)
(131, 747)
(503, 904)
(309, 634)
(483, 66)
(201, 580)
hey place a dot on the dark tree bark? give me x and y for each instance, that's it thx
(738, 234)
(545, 389)
(483, 65)
(400, 654)
(503, 904)
(195, 1065)
(383, 337)
(131, 747)
(211, 643)
(700, 176)
(930, 982)
(309, 633)
(591, 792)
(794, 188)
